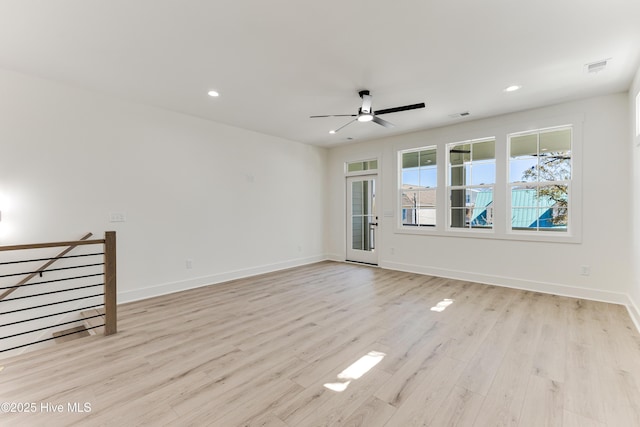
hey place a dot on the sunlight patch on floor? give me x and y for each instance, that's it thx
(356, 370)
(442, 305)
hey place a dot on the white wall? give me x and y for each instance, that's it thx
(235, 202)
(635, 209)
(548, 267)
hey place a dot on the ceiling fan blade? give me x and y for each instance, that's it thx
(334, 115)
(404, 108)
(344, 126)
(381, 122)
(366, 103)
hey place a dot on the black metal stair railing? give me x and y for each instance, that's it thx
(48, 298)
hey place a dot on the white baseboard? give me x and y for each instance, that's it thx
(634, 312)
(335, 257)
(197, 282)
(529, 285)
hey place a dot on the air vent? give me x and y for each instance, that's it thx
(597, 66)
(458, 115)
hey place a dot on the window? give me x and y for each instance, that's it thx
(366, 165)
(472, 176)
(540, 179)
(418, 184)
(513, 185)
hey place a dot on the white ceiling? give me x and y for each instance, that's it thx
(277, 62)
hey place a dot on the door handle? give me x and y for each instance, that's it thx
(373, 223)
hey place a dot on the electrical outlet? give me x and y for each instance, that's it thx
(392, 251)
(189, 264)
(585, 270)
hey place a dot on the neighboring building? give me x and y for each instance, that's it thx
(418, 205)
(528, 210)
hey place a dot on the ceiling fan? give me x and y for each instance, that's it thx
(365, 114)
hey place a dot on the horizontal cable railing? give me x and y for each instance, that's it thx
(47, 299)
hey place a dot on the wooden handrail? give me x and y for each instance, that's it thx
(71, 245)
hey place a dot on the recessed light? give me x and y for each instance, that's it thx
(213, 93)
(512, 88)
(332, 132)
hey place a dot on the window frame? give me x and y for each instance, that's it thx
(364, 171)
(537, 184)
(437, 217)
(450, 187)
(502, 200)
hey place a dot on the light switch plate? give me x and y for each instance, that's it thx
(117, 217)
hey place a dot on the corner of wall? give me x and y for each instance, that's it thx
(634, 312)
(634, 292)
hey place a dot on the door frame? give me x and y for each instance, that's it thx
(365, 257)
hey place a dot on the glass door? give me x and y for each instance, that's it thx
(362, 219)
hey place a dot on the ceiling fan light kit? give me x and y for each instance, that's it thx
(366, 114)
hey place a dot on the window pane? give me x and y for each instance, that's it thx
(428, 177)
(524, 196)
(555, 166)
(428, 157)
(354, 167)
(427, 216)
(481, 214)
(484, 151)
(459, 214)
(472, 208)
(357, 197)
(426, 198)
(358, 232)
(459, 198)
(558, 140)
(419, 181)
(459, 218)
(523, 170)
(456, 175)
(410, 160)
(483, 173)
(524, 218)
(362, 166)
(553, 203)
(524, 145)
(411, 177)
(409, 216)
(460, 175)
(559, 219)
(418, 207)
(543, 207)
(459, 154)
(550, 161)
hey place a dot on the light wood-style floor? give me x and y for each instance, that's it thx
(259, 352)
